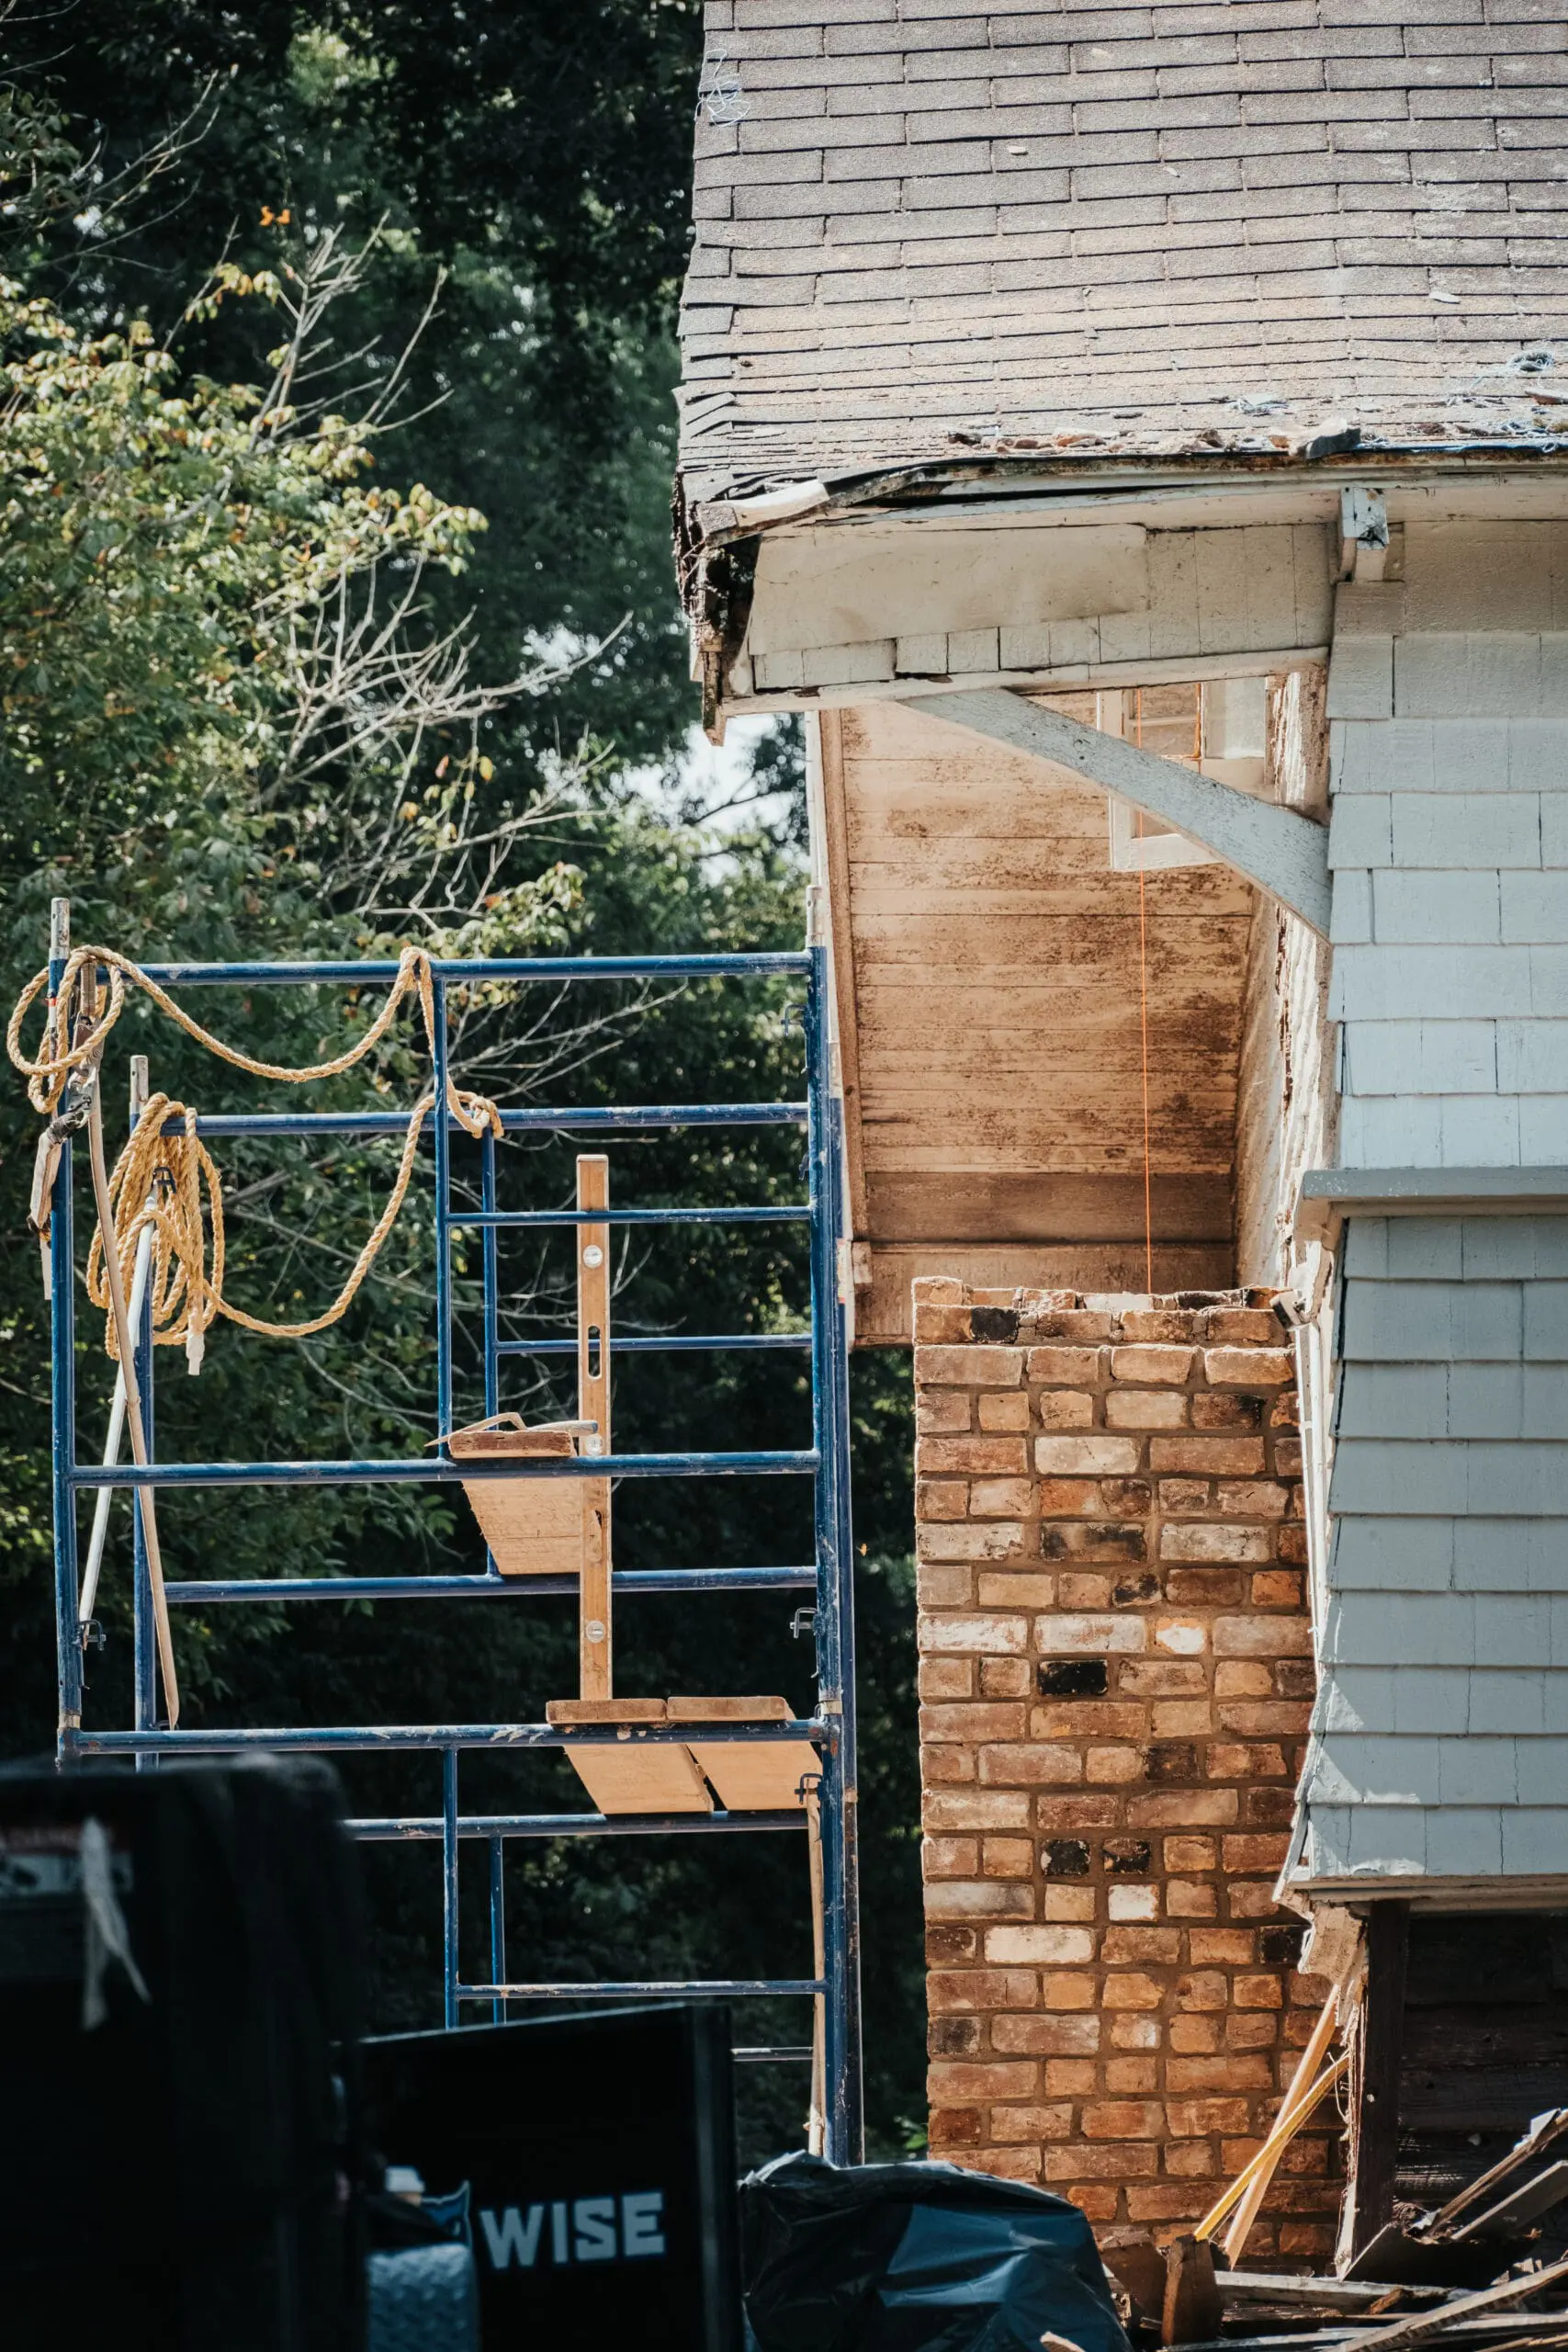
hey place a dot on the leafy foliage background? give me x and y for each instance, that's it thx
(163, 165)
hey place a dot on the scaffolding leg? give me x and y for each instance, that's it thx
(595, 1636)
(817, 2122)
(449, 1886)
(497, 1922)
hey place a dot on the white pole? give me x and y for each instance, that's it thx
(104, 1498)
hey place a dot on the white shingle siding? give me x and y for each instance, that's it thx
(1440, 1743)
(1449, 849)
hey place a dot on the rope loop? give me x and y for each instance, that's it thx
(167, 1185)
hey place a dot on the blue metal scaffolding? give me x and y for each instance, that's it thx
(830, 1729)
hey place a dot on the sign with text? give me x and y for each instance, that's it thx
(598, 2152)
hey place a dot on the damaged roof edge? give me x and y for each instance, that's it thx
(765, 502)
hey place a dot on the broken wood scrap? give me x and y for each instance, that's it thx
(1442, 2317)
(1526, 2202)
(1192, 2309)
(1402, 2258)
(1544, 2131)
(1331, 2294)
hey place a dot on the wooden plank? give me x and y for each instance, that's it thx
(757, 1776)
(1542, 2134)
(650, 1775)
(1462, 2307)
(1382, 2029)
(1525, 2204)
(1047, 1207)
(606, 1711)
(533, 1526)
(595, 1630)
(770, 1710)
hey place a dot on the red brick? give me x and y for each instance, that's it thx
(1214, 1410)
(1052, 2037)
(981, 1989)
(1067, 1813)
(1000, 1498)
(953, 2126)
(1122, 2160)
(1019, 1763)
(1149, 1367)
(941, 1411)
(1248, 1367)
(1243, 1327)
(1210, 1457)
(1068, 1499)
(1262, 1636)
(1227, 1541)
(1065, 1408)
(1166, 1326)
(1009, 1412)
(1166, 2203)
(1277, 1588)
(1183, 1809)
(1072, 2077)
(1222, 1947)
(957, 2079)
(1227, 1761)
(1217, 2074)
(1129, 2074)
(1206, 1587)
(972, 1725)
(1124, 2119)
(1157, 1945)
(1158, 1678)
(1034, 2123)
(1000, 2164)
(961, 1367)
(1260, 1716)
(1064, 1367)
(940, 1497)
(1130, 1991)
(1260, 1853)
(1094, 2204)
(1194, 2035)
(973, 1456)
(1190, 2159)
(1252, 2028)
(1188, 2118)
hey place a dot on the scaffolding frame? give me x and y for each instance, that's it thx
(830, 1728)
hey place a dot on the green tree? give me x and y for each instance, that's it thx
(162, 779)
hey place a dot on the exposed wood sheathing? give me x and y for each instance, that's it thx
(989, 1006)
(1288, 1104)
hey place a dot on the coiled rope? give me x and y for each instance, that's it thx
(161, 1181)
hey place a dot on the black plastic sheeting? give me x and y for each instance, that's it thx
(915, 2257)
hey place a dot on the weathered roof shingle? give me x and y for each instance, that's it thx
(926, 227)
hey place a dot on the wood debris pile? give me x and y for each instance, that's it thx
(1473, 2274)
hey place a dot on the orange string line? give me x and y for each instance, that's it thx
(1144, 1023)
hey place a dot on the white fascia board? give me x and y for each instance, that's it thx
(1282, 852)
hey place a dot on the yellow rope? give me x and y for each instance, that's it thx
(159, 1181)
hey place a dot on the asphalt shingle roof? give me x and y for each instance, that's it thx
(926, 228)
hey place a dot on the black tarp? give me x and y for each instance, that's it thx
(917, 2258)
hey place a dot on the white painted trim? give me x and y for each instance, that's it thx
(1282, 852)
(1184, 669)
